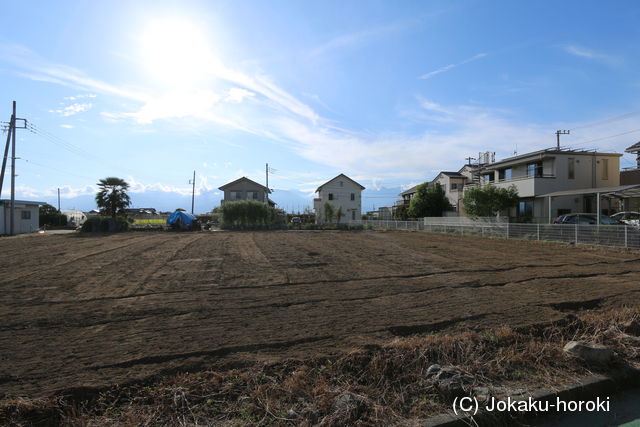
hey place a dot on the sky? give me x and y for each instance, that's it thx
(386, 92)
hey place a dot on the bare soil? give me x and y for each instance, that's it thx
(95, 311)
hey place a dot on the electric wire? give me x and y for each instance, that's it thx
(606, 121)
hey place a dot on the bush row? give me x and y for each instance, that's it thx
(96, 224)
(250, 215)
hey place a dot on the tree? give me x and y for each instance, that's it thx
(339, 214)
(329, 211)
(429, 200)
(50, 216)
(112, 197)
(489, 200)
(401, 213)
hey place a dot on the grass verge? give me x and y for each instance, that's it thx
(373, 385)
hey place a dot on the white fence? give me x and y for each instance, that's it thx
(605, 235)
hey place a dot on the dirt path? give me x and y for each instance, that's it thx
(94, 311)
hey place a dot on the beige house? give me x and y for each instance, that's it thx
(26, 216)
(543, 172)
(453, 185)
(245, 189)
(341, 192)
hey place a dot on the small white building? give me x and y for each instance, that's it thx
(26, 216)
(341, 192)
(75, 217)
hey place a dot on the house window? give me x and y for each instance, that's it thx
(25, 214)
(353, 196)
(341, 184)
(571, 167)
(534, 169)
(525, 208)
(330, 196)
(353, 215)
(504, 174)
(252, 195)
(236, 195)
(487, 178)
(454, 186)
(605, 168)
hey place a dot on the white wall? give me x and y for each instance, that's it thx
(20, 225)
(341, 189)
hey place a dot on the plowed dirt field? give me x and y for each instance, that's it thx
(80, 311)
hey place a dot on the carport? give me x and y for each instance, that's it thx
(619, 192)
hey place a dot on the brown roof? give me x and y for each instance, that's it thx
(245, 179)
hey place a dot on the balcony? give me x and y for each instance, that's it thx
(527, 186)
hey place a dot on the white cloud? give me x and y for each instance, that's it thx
(68, 192)
(73, 109)
(237, 95)
(451, 66)
(75, 97)
(591, 54)
(66, 126)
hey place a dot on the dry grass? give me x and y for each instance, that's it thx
(376, 384)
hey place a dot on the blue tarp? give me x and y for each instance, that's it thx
(181, 219)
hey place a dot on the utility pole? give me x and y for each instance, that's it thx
(13, 173)
(193, 191)
(58, 199)
(267, 169)
(561, 132)
(6, 149)
(469, 159)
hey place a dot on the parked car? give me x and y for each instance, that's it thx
(631, 218)
(585, 218)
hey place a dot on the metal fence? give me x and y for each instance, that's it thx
(580, 234)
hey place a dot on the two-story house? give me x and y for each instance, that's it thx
(451, 182)
(547, 171)
(453, 185)
(341, 192)
(245, 189)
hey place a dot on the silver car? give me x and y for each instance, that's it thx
(631, 218)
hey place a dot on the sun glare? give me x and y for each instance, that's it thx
(176, 53)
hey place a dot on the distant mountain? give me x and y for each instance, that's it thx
(289, 200)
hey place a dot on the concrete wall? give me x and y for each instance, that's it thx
(341, 190)
(20, 225)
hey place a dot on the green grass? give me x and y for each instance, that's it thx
(154, 221)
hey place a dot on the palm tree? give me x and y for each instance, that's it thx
(112, 197)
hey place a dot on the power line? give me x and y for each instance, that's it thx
(602, 122)
(54, 169)
(610, 136)
(48, 136)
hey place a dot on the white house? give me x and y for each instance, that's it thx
(341, 192)
(26, 216)
(540, 173)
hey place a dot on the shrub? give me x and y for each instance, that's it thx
(104, 224)
(50, 217)
(249, 214)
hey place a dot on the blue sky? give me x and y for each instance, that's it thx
(389, 93)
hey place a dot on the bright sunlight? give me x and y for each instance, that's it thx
(176, 53)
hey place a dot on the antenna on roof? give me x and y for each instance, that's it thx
(561, 132)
